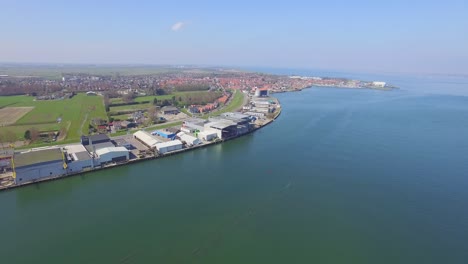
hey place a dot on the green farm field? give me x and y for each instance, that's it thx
(150, 98)
(75, 113)
(235, 103)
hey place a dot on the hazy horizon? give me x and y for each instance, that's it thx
(397, 37)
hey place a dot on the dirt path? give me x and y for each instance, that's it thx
(80, 131)
(64, 135)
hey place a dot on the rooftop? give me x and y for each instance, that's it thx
(222, 124)
(84, 155)
(91, 148)
(169, 108)
(235, 115)
(39, 156)
(196, 121)
(120, 141)
(169, 143)
(98, 137)
(75, 148)
(6, 152)
(146, 137)
(103, 151)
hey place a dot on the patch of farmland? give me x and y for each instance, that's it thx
(9, 115)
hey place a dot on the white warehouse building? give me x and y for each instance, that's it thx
(112, 154)
(189, 140)
(78, 158)
(169, 146)
(208, 135)
(146, 138)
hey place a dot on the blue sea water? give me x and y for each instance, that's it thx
(343, 176)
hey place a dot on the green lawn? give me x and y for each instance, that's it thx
(122, 117)
(234, 104)
(185, 111)
(15, 100)
(159, 97)
(130, 107)
(56, 72)
(78, 111)
(156, 127)
(149, 98)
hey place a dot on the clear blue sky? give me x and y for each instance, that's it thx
(378, 36)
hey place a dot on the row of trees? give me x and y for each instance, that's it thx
(189, 99)
(10, 87)
(8, 137)
(191, 87)
(32, 134)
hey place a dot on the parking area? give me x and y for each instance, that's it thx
(171, 117)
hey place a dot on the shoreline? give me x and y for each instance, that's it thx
(134, 161)
(389, 88)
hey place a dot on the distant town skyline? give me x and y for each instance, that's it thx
(397, 36)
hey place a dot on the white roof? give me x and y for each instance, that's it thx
(75, 148)
(146, 138)
(169, 143)
(222, 124)
(208, 132)
(103, 151)
(188, 138)
(235, 115)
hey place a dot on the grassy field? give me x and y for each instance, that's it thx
(130, 107)
(56, 71)
(9, 115)
(144, 98)
(159, 97)
(121, 117)
(149, 98)
(234, 104)
(75, 113)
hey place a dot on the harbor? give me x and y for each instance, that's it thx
(100, 152)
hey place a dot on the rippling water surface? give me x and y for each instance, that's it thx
(343, 176)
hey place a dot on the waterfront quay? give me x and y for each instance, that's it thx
(99, 151)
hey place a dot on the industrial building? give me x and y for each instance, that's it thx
(169, 146)
(236, 115)
(261, 93)
(77, 158)
(94, 142)
(112, 154)
(243, 122)
(188, 130)
(94, 139)
(120, 142)
(169, 110)
(224, 128)
(189, 140)
(255, 114)
(195, 123)
(208, 135)
(237, 121)
(35, 165)
(146, 138)
(261, 110)
(6, 155)
(164, 133)
(261, 104)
